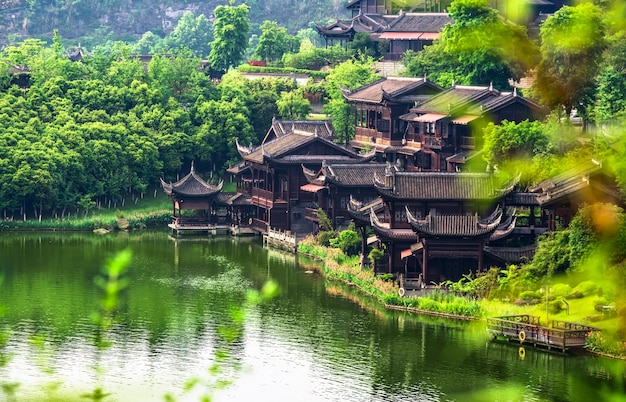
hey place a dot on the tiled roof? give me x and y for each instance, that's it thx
(360, 175)
(280, 128)
(191, 185)
(282, 149)
(442, 186)
(456, 100)
(454, 225)
(512, 254)
(419, 22)
(394, 86)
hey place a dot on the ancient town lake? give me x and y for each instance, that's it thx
(318, 341)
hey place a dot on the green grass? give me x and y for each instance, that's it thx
(150, 211)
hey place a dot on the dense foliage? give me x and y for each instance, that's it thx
(88, 133)
(479, 48)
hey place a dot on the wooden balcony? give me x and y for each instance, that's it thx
(432, 142)
(468, 142)
(265, 198)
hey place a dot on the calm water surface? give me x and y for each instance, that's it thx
(317, 341)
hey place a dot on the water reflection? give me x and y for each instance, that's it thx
(318, 341)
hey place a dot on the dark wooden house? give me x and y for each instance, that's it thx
(449, 126)
(412, 31)
(437, 224)
(561, 196)
(378, 108)
(272, 172)
(400, 30)
(192, 193)
(335, 183)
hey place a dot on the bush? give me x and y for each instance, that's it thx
(348, 241)
(325, 237)
(555, 306)
(560, 290)
(587, 288)
(530, 295)
(386, 277)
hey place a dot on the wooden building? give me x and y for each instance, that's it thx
(412, 31)
(400, 31)
(272, 173)
(192, 193)
(435, 224)
(336, 183)
(449, 125)
(378, 108)
(561, 196)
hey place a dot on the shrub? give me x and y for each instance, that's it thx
(560, 290)
(386, 277)
(555, 306)
(325, 237)
(587, 288)
(348, 241)
(530, 295)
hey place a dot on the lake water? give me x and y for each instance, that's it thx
(317, 341)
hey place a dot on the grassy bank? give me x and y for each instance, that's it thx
(337, 266)
(149, 211)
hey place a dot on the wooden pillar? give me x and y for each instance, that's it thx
(363, 246)
(390, 257)
(425, 261)
(480, 256)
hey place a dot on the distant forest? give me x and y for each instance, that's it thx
(98, 22)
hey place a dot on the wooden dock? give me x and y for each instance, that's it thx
(195, 229)
(281, 239)
(527, 329)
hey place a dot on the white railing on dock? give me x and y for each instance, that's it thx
(285, 239)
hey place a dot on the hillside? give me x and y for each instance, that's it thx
(83, 20)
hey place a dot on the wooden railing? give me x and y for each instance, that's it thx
(258, 224)
(527, 329)
(432, 142)
(261, 193)
(468, 142)
(283, 239)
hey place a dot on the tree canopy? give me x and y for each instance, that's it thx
(230, 31)
(478, 48)
(572, 41)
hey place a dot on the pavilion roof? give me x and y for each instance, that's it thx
(441, 186)
(419, 22)
(191, 185)
(396, 88)
(347, 175)
(455, 225)
(292, 148)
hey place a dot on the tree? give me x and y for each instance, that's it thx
(572, 41)
(479, 48)
(351, 74)
(364, 45)
(611, 82)
(193, 33)
(230, 31)
(511, 140)
(293, 106)
(274, 42)
(149, 43)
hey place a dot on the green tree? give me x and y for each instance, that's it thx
(572, 41)
(149, 43)
(351, 74)
(293, 106)
(230, 30)
(192, 32)
(611, 82)
(479, 48)
(274, 42)
(510, 140)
